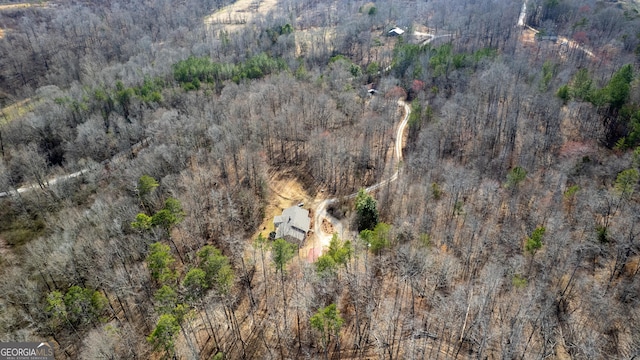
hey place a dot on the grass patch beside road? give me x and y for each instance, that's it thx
(15, 111)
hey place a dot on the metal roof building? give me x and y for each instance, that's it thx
(294, 222)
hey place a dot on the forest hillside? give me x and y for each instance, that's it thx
(469, 169)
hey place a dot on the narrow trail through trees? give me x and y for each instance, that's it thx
(42, 184)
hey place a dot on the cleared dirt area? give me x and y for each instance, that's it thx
(563, 45)
(231, 18)
(284, 191)
(528, 36)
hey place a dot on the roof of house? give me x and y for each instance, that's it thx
(294, 222)
(396, 31)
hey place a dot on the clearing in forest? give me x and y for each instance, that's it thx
(284, 191)
(20, 6)
(306, 39)
(233, 17)
(14, 6)
(529, 42)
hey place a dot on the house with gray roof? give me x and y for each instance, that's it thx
(293, 224)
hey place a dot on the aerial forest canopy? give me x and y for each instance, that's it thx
(469, 170)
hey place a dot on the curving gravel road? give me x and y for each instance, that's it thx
(323, 239)
(321, 213)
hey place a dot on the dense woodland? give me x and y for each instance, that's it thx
(509, 233)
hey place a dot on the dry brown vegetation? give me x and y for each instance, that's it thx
(511, 230)
(5, 7)
(15, 110)
(233, 17)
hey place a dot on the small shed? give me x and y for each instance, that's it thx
(551, 38)
(396, 31)
(371, 89)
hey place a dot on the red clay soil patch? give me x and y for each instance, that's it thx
(313, 254)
